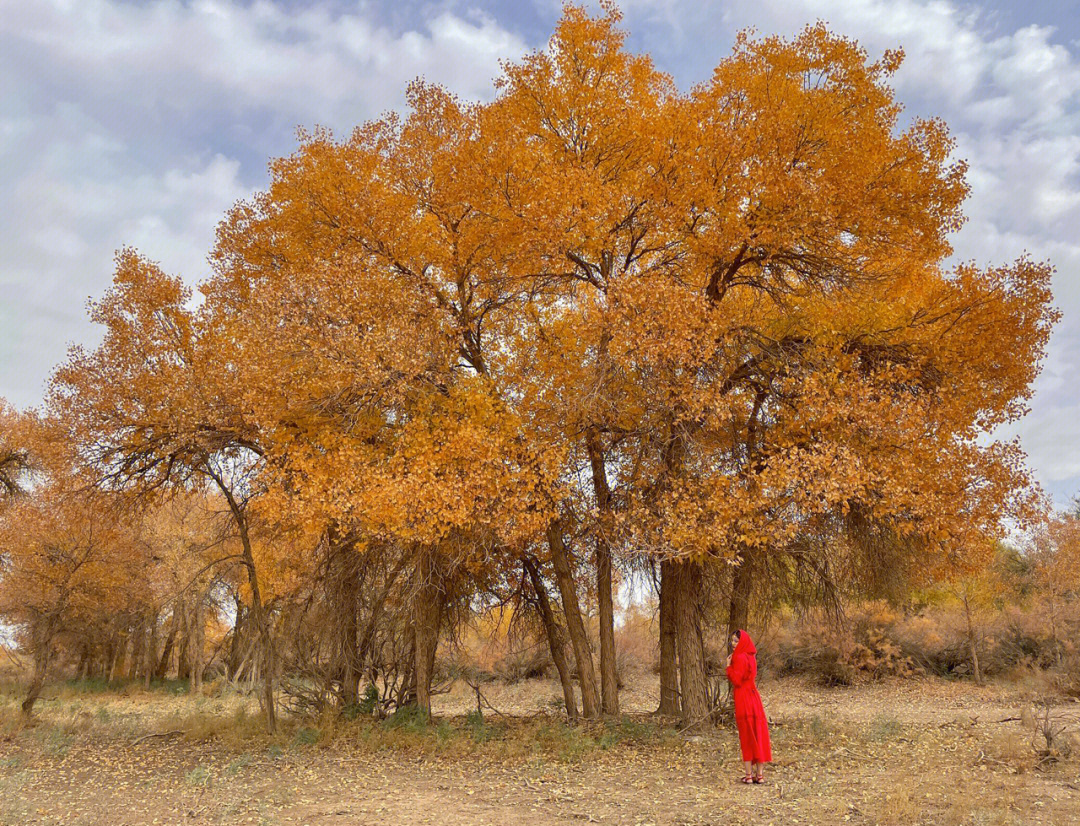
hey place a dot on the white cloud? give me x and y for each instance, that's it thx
(66, 214)
(311, 64)
(141, 124)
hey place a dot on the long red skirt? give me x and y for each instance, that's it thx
(754, 737)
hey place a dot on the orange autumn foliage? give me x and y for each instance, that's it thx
(595, 321)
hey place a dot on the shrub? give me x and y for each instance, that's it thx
(863, 647)
(497, 647)
(523, 663)
(883, 728)
(876, 641)
(407, 718)
(637, 641)
(369, 700)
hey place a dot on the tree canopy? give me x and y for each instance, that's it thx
(593, 324)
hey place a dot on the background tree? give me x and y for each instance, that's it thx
(1055, 555)
(152, 411)
(67, 556)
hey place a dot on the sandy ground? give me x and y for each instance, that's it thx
(913, 752)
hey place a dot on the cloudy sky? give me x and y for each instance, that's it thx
(127, 122)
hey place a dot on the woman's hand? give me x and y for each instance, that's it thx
(728, 663)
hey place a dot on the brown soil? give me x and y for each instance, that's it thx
(916, 752)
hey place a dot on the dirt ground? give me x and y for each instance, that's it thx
(912, 752)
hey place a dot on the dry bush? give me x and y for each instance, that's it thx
(498, 646)
(201, 726)
(524, 663)
(1067, 674)
(1044, 636)
(810, 646)
(875, 652)
(862, 647)
(1052, 734)
(637, 641)
(12, 720)
(875, 640)
(898, 807)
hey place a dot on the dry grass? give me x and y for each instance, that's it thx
(908, 752)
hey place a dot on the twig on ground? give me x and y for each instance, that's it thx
(703, 719)
(484, 699)
(1047, 760)
(481, 700)
(984, 758)
(145, 737)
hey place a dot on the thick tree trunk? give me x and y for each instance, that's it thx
(350, 680)
(427, 612)
(106, 661)
(166, 653)
(692, 680)
(742, 581)
(138, 651)
(670, 698)
(378, 606)
(195, 646)
(236, 643)
(102, 662)
(37, 681)
(436, 628)
(609, 679)
(609, 676)
(83, 669)
(554, 637)
(183, 652)
(345, 588)
(150, 657)
(407, 695)
(267, 666)
(579, 640)
(42, 636)
(669, 675)
(120, 656)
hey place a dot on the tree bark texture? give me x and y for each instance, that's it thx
(669, 675)
(554, 635)
(742, 581)
(692, 679)
(42, 636)
(429, 599)
(579, 640)
(609, 679)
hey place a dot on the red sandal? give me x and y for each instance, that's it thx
(748, 779)
(759, 780)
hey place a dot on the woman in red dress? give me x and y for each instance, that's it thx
(749, 713)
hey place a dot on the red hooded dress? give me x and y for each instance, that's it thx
(749, 713)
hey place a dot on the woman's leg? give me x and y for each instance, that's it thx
(749, 770)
